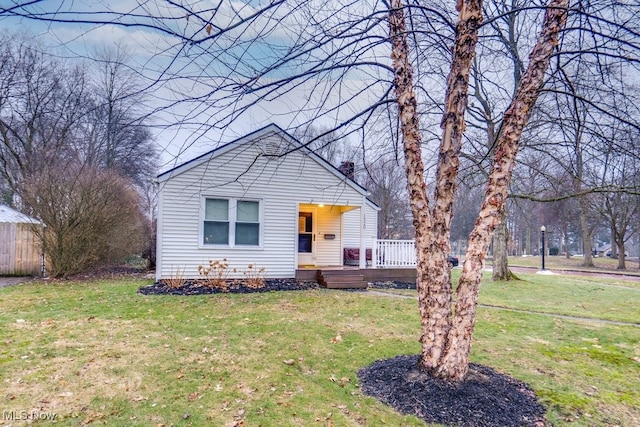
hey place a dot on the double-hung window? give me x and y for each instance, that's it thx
(247, 223)
(216, 222)
(231, 222)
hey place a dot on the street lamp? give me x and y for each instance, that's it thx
(542, 230)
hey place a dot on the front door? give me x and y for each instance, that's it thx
(307, 236)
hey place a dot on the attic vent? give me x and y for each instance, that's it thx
(271, 148)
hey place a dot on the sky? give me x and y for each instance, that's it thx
(208, 72)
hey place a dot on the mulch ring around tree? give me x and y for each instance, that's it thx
(197, 287)
(485, 398)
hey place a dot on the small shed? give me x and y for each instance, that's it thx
(20, 248)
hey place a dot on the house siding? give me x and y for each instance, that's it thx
(329, 222)
(351, 227)
(280, 183)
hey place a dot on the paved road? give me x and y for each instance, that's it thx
(624, 275)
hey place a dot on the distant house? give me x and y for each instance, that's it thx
(263, 199)
(601, 250)
(20, 248)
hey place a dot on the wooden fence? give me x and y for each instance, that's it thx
(20, 250)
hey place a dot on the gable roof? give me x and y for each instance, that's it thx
(10, 215)
(268, 130)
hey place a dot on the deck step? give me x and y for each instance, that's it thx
(342, 279)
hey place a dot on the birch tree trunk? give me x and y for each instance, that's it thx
(433, 228)
(456, 359)
(446, 336)
(434, 306)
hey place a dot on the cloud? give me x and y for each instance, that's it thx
(83, 39)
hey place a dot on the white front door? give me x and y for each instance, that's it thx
(307, 236)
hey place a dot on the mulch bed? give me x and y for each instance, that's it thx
(485, 398)
(195, 287)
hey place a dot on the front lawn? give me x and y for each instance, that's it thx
(559, 262)
(100, 353)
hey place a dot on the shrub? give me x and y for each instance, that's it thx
(216, 274)
(91, 217)
(254, 276)
(176, 279)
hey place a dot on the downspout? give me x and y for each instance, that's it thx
(363, 243)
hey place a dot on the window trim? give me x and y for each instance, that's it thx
(233, 209)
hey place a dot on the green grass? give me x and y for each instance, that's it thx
(567, 295)
(101, 353)
(601, 264)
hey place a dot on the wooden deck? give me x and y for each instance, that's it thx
(346, 277)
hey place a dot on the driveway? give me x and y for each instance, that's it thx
(8, 281)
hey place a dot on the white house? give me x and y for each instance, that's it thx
(264, 200)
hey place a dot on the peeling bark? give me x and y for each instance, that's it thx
(453, 126)
(433, 229)
(446, 336)
(433, 330)
(456, 359)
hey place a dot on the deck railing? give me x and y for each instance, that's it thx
(394, 253)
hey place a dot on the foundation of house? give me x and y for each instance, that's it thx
(346, 277)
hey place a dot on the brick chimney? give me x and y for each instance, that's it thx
(349, 169)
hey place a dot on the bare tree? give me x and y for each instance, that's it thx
(58, 135)
(116, 134)
(493, 85)
(385, 181)
(446, 339)
(51, 110)
(621, 208)
(235, 59)
(41, 103)
(587, 98)
(92, 216)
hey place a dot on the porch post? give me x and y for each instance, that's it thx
(363, 243)
(374, 253)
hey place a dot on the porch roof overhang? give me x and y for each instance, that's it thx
(336, 207)
(345, 207)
